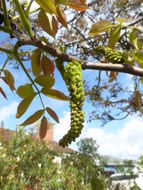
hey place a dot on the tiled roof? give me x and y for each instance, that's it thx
(6, 134)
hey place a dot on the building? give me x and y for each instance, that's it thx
(6, 135)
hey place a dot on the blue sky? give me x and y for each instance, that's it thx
(121, 139)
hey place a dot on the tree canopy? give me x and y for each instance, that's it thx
(104, 36)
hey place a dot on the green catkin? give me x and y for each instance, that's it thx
(73, 80)
(113, 56)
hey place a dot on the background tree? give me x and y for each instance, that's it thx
(88, 165)
(100, 35)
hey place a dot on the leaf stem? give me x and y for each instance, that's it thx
(3, 66)
(16, 54)
(24, 19)
(6, 50)
(5, 29)
(28, 8)
(6, 19)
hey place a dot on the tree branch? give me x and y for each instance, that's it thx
(123, 68)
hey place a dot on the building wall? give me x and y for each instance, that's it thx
(50, 132)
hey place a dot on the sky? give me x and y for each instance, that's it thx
(121, 139)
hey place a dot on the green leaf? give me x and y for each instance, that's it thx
(23, 106)
(134, 40)
(114, 36)
(52, 114)
(33, 118)
(35, 62)
(25, 91)
(48, 23)
(121, 20)
(47, 5)
(45, 81)
(52, 93)
(9, 79)
(47, 66)
(43, 128)
(138, 57)
(100, 27)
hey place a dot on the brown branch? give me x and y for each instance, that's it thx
(123, 68)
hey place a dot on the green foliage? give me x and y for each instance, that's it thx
(73, 79)
(87, 164)
(27, 163)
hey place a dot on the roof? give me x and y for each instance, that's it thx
(55, 146)
(6, 134)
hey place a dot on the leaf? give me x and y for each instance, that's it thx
(33, 118)
(47, 5)
(35, 62)
(43, 128)
(138, 57)
(25, 91)
(100, 27)
(47, 66)
(78, 5)
(52, 93)
(113, 76)
(9, 79)
(134, 40)
(121, 20)
(45, 81)
(23, 106)
(52, 114)
(62, 17)
(48, 23)
(114, 36)
(3, 93)
(137, 100)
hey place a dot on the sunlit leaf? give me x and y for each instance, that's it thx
(33, 118)
(52, 114)
(114, 36)
(25, 91)
(47, 5)
(23, 106)
(100, 27)
(113, 76)
(47, 66)
(45, 81)
(52, 93)
(138, 57)
(48, 23)
(9, 79)
(78, 5)
(121, 20)
(134, 40)
(35, 62)
(61, 17)
(3, 93)
(43, 128)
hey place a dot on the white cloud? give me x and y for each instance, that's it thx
(126, 143)
(62, 128)
(7, 111)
